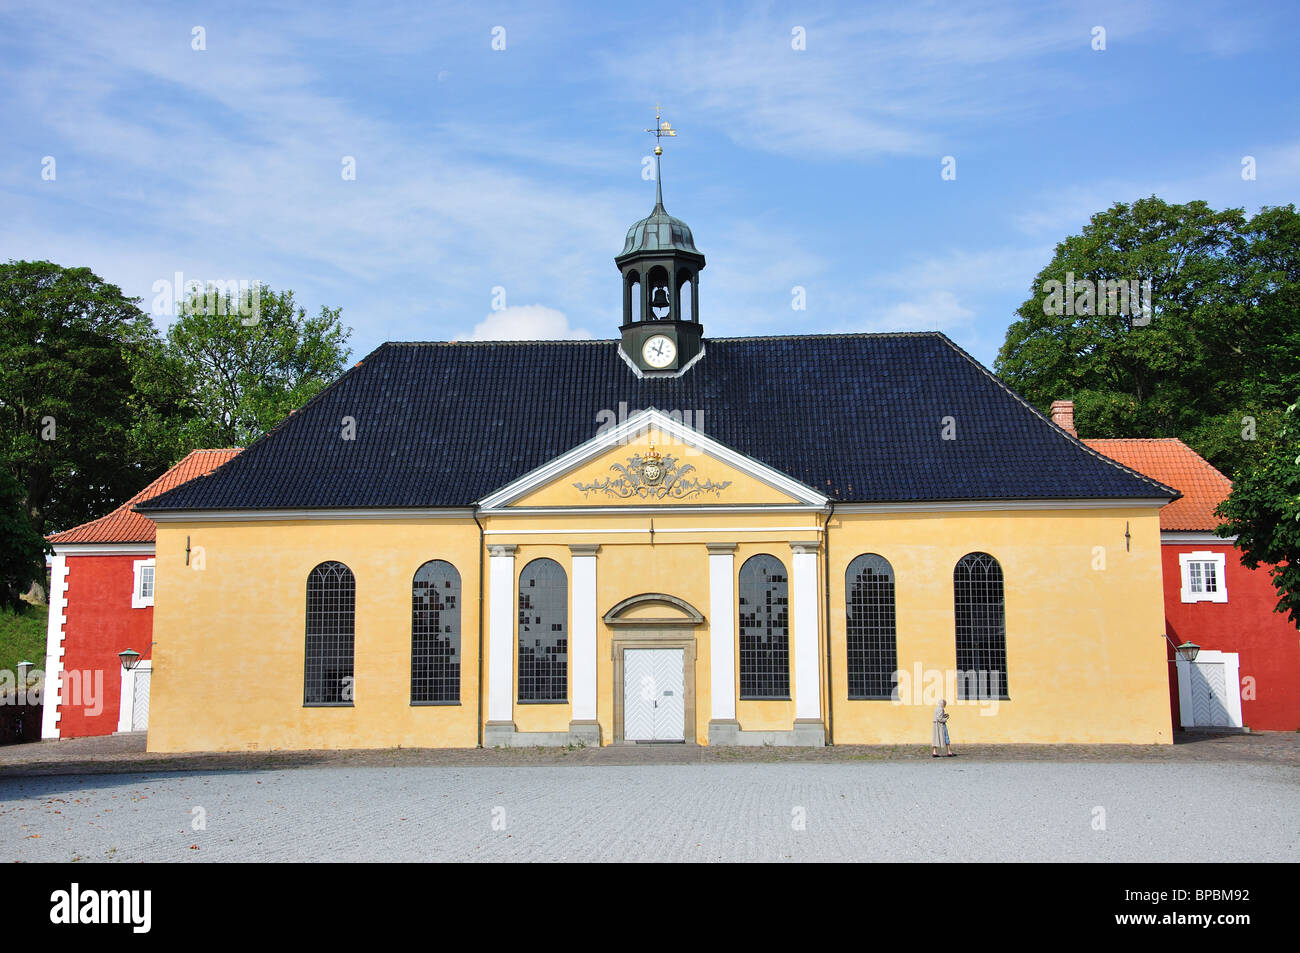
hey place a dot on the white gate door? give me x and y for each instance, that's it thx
(1209, 695)
(140, 701)
(653, 706)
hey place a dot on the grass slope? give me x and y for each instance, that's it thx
(22, 637)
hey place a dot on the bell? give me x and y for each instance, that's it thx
(660, 298)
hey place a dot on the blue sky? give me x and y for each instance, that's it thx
(521, 168)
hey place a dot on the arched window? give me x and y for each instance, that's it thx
(981, 627)
(632, 296)
(331, 614)
(435, 634)
(543, 632)
(764, 628)
(871, 636)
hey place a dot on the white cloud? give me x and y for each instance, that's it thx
(527, 322)
(903, 80)
(932, 311)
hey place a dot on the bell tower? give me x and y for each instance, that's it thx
(661, 276)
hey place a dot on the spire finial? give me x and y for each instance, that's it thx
(661, 128)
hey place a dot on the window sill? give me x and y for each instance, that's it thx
(561, 701)
(765, 698)
(871, 698)
(329, 705)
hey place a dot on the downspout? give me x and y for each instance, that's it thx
(830, 686)
(478, 719)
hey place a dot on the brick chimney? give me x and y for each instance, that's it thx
(1063, 416)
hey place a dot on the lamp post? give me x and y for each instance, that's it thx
(20, 699)
(130, 659)
(1187, 651)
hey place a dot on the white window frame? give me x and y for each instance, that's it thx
(139, 601)
(1219, 561)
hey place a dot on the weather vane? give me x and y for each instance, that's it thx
(661, 128)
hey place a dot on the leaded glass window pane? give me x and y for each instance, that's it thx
(981, 627)
(764, 629)
(435, 633)
(871, 635)
(543, 632)
(331, 611)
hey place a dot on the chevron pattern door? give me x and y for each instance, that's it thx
(654, 708)
(140, 703)
(1209, 695)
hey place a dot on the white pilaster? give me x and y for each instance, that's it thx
(807, 645)
(582, 625)
(53, 690)
(501, 632)
(722, 630)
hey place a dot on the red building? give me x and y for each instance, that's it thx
(1248, 671)
(101, 603)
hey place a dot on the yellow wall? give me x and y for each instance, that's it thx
(629, 564)
(230, 639)
(1086, 663)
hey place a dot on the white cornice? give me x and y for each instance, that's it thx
(628, 431)
(103, 549)
(665, 509)
(994, 505)
(1179, 536)
(647, 531)
(247, 516)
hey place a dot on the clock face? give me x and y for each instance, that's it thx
(659, 351)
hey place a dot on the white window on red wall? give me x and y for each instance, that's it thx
(1203, 577)
(142, 589)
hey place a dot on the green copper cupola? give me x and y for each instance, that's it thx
(661, 268)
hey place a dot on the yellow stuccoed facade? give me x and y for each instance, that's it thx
(1086, 662)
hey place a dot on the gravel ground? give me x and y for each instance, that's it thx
(928, 810)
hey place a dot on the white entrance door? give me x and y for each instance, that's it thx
(1209, 695)
(1209, 690)
(653, 706)
(140, 703)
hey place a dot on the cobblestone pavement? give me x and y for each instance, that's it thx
(951, 810)
(125, 753)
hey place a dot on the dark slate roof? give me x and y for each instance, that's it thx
(855, 416)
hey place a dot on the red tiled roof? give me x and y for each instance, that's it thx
(1175, 464)
(124, 526)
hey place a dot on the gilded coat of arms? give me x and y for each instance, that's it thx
(653, 476)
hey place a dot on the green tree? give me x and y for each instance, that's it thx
(1213, 359)
(68, 340)
(21, 547)
(244, 364)
(1263, 512)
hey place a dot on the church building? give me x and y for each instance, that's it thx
(661, 537)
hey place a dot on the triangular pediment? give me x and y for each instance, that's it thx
(651, 459)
